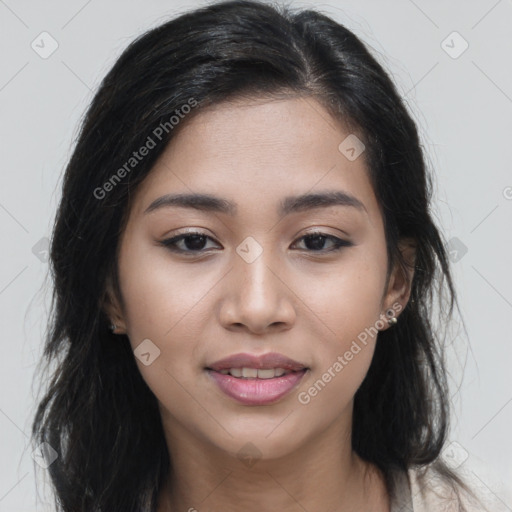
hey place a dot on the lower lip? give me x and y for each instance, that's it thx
(257, 391)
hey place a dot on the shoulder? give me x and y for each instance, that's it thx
(433, 491)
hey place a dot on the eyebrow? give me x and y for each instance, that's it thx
(291, 204)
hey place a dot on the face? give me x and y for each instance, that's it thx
(262, 273)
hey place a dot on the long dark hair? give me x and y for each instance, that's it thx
(97, 412)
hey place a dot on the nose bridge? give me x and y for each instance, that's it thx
(257, 298)
(254, 269)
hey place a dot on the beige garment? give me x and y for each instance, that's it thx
(431, 493)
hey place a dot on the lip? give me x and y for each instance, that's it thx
(253, 391)
(257, 391)
(264, 361)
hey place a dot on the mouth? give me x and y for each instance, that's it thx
(256, 380)
(255, 373)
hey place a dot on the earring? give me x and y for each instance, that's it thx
(113, 327)
(393, 320)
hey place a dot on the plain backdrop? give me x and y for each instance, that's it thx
(451, 62)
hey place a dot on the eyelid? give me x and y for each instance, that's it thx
(320, 230)
(338, 242)
(169, 242)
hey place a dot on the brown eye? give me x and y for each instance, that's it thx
(316, 242)
(190, 242)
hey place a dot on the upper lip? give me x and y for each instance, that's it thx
(264, 361)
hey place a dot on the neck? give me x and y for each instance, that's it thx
(323, 474)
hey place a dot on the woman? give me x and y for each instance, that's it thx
(244, 267)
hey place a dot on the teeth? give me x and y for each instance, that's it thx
(266, 374)
(249, 373)
(253, 373)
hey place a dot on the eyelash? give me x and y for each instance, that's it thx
(170, 243)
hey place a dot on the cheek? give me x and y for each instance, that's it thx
(343, 353)
(346, 318)
(159, 295)
(163, 305)
(345, 299)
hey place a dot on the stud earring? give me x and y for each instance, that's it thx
(391, 318)
(113, 327)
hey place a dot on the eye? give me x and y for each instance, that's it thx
(191, 242)
(195, 242)
(315, 242)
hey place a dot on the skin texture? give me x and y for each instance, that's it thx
(295, 299)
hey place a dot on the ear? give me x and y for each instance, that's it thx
(110, 304)
(399, 286)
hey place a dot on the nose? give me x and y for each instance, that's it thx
(256, 297)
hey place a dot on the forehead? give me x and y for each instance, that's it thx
(254, 153)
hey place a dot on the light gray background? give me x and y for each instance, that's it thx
(464, 109)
